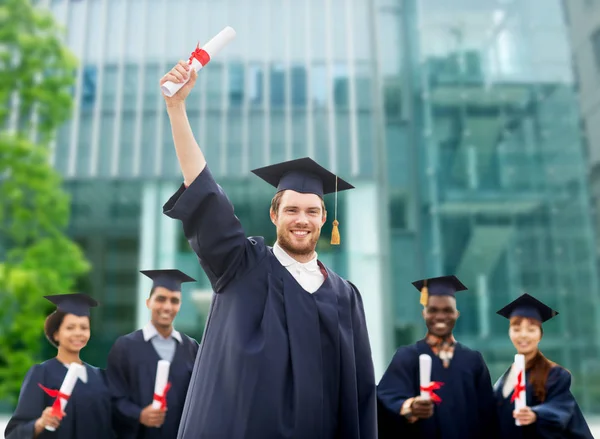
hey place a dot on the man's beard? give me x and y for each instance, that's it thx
(292, 249)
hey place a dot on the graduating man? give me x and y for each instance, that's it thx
(463, 406)
(285, 352)
(132, 364)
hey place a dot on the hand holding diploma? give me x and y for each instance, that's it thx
(52, 416)
(154, 414)
(176, 81)
(519, 396)
(422, 407)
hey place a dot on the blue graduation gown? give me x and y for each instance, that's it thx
(467, 409)
(131, 371)
(558, 416)
(276, 361)
(88, 409)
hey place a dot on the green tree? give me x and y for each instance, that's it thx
(36, 256)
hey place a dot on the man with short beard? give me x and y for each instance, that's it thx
(461, 401)
(285, 352)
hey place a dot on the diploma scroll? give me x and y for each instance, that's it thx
(520, 394)
(76, 371)
(425, 375)
(161, 385)
(201, 56)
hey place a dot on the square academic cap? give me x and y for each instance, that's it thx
(171, 279)
(302, 175)
(528, 306)
(308, 177)
(438, 286)
(77, 303)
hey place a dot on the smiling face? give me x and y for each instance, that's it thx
(164, 305)
(298, 219)
(525, 334)
(73, 333)
(440, 315)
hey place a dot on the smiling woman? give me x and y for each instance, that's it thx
(551, 409)
(88, 412)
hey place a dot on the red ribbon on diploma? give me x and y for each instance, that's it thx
(163, 398)
(201, 55)
(56, 407)
(518, 388)
(435, 385)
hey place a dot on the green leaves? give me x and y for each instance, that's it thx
(36, 256)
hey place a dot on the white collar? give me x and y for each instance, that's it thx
(286, 260)
(150, 331)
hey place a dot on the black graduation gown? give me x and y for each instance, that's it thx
(276, 362)
(88, 409)
(131, 371)
(558, 416)
(467, 409)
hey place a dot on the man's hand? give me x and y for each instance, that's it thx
(422, 408)
(151, 417)
(178, 74)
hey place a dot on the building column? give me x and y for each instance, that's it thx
(361, 239)
(158, 241)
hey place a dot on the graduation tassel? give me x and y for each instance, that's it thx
(335, 233)
(424, 294)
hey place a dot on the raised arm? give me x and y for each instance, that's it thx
(209, 223)
(190, 156)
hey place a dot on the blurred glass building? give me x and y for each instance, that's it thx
(458, 122)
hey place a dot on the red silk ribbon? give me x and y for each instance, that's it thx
(518, 388)
(201, 55)
(163, 398)
(435, 385)
(56, 406)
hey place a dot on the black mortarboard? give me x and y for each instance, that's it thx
(528, 306)
(170, 279)
(438, 286)
(76, 303)
(308, 177)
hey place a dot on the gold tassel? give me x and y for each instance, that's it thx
(424, 294)
(335, 233)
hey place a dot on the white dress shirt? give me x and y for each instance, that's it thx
(165, 347)
(307, 274)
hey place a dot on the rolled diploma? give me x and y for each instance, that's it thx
(73, 374)
(521, 401)
(425, 374)
(160, 382)
(214, 46)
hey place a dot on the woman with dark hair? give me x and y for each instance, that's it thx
(551, 410)
(88, 410)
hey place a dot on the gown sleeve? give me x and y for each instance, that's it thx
(554, 414)
(116, 373)
(395, 388)
(211, 227)
(365, 374)
(486, 402)
(29, 407)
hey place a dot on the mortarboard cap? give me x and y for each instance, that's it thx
(76, 303)
(171, 279)
(306, 176)
(528, 306)
(438, 286)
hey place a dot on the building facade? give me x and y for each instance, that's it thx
(458, 122)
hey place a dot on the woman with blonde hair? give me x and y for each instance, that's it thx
(551, 410)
